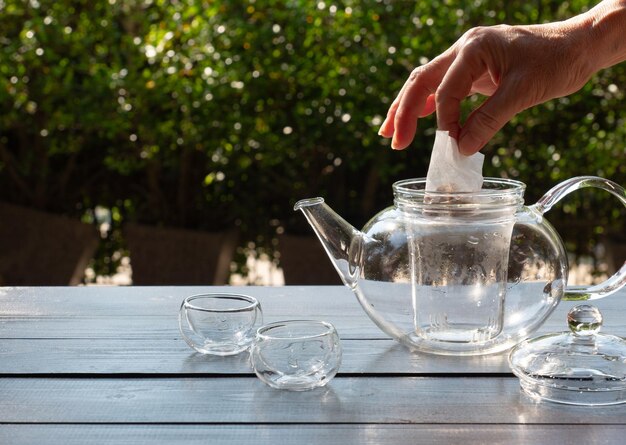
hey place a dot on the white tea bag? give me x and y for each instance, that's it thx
(450, 171)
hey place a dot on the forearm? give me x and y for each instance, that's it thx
(605, 25)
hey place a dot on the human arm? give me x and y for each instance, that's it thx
(516, 66)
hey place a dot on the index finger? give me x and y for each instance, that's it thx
(421, 84)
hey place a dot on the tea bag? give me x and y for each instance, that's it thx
(449, 170)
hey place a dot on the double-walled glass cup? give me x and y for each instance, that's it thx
(219, 324)
(296, 355)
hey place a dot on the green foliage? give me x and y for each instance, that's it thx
(206, 114)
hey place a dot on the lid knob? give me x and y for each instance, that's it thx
(584, 320)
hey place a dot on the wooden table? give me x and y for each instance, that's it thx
(107, 365)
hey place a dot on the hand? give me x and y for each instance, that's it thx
(517, 66)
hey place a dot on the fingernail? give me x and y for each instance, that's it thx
(469, 144)
(382, 127)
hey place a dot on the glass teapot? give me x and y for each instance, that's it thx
(458, 273)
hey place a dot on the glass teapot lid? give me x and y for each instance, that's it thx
(581, 367)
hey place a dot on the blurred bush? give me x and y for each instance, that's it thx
(208, 114)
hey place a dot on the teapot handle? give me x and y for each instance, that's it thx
(554, 195)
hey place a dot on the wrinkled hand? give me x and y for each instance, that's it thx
(517, 66)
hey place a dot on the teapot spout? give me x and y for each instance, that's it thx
(341, 241)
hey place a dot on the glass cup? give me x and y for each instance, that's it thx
(297, 355)
(219, 324)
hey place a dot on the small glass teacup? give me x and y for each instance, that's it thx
(219, 324)
(297, 354)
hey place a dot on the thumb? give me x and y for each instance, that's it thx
(488, 119)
